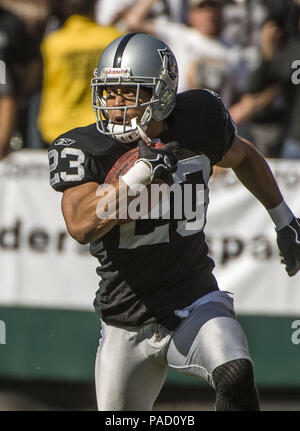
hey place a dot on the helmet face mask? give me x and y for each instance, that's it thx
(135, 60)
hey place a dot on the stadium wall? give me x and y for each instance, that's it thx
(61, 345)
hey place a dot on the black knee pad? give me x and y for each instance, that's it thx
(234, 379)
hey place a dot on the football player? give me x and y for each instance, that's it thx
(159, 302)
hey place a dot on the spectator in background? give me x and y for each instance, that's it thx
(34, 15)
(285, 13)
(218, 65)
(204, 59)
(8, 109)
(56, 16)
(70, 56)
(21, 59)
(177, 10)
(111, 12)
(242, 21)
(271, 107)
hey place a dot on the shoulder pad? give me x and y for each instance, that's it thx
(87, 139)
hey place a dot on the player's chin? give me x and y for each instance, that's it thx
(118, 121)
(121, 122)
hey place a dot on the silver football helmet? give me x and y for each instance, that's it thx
(138, 60)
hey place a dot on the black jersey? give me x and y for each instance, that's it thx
(150, 268)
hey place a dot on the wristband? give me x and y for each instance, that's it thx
(139, 174)
(281, 215)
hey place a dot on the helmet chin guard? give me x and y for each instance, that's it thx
(141, 61)
(131, 133)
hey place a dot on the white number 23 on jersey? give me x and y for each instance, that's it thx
(75, 163)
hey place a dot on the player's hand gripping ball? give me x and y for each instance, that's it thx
(159, 157)
(122, 165)
(161, 161)
(149, 154)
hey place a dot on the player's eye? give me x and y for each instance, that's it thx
(127, 92)
(110, 92)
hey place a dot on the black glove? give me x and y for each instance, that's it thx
(288, 240)
(162, 161)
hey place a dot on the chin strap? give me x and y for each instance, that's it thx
(143, 135)
(125, 134)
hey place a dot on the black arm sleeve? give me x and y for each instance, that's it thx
(222, 130)
(201, 123)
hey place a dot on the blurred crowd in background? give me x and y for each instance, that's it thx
(248, 51)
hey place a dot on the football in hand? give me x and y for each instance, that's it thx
(123, 164)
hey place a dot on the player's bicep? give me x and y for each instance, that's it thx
(235, 155)
(80, 210)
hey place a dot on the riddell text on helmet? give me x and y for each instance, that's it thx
(155, 201)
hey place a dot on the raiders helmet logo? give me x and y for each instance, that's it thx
(169, 61)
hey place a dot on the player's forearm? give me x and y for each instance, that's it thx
(255, 174)
(136, 18)
(7, 123)
(99, 212)
(250, 104)
(88, 223)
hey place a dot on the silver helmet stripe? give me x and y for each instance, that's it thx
(121, 48)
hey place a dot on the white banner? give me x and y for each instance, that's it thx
(42, 266)
(242, 242)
